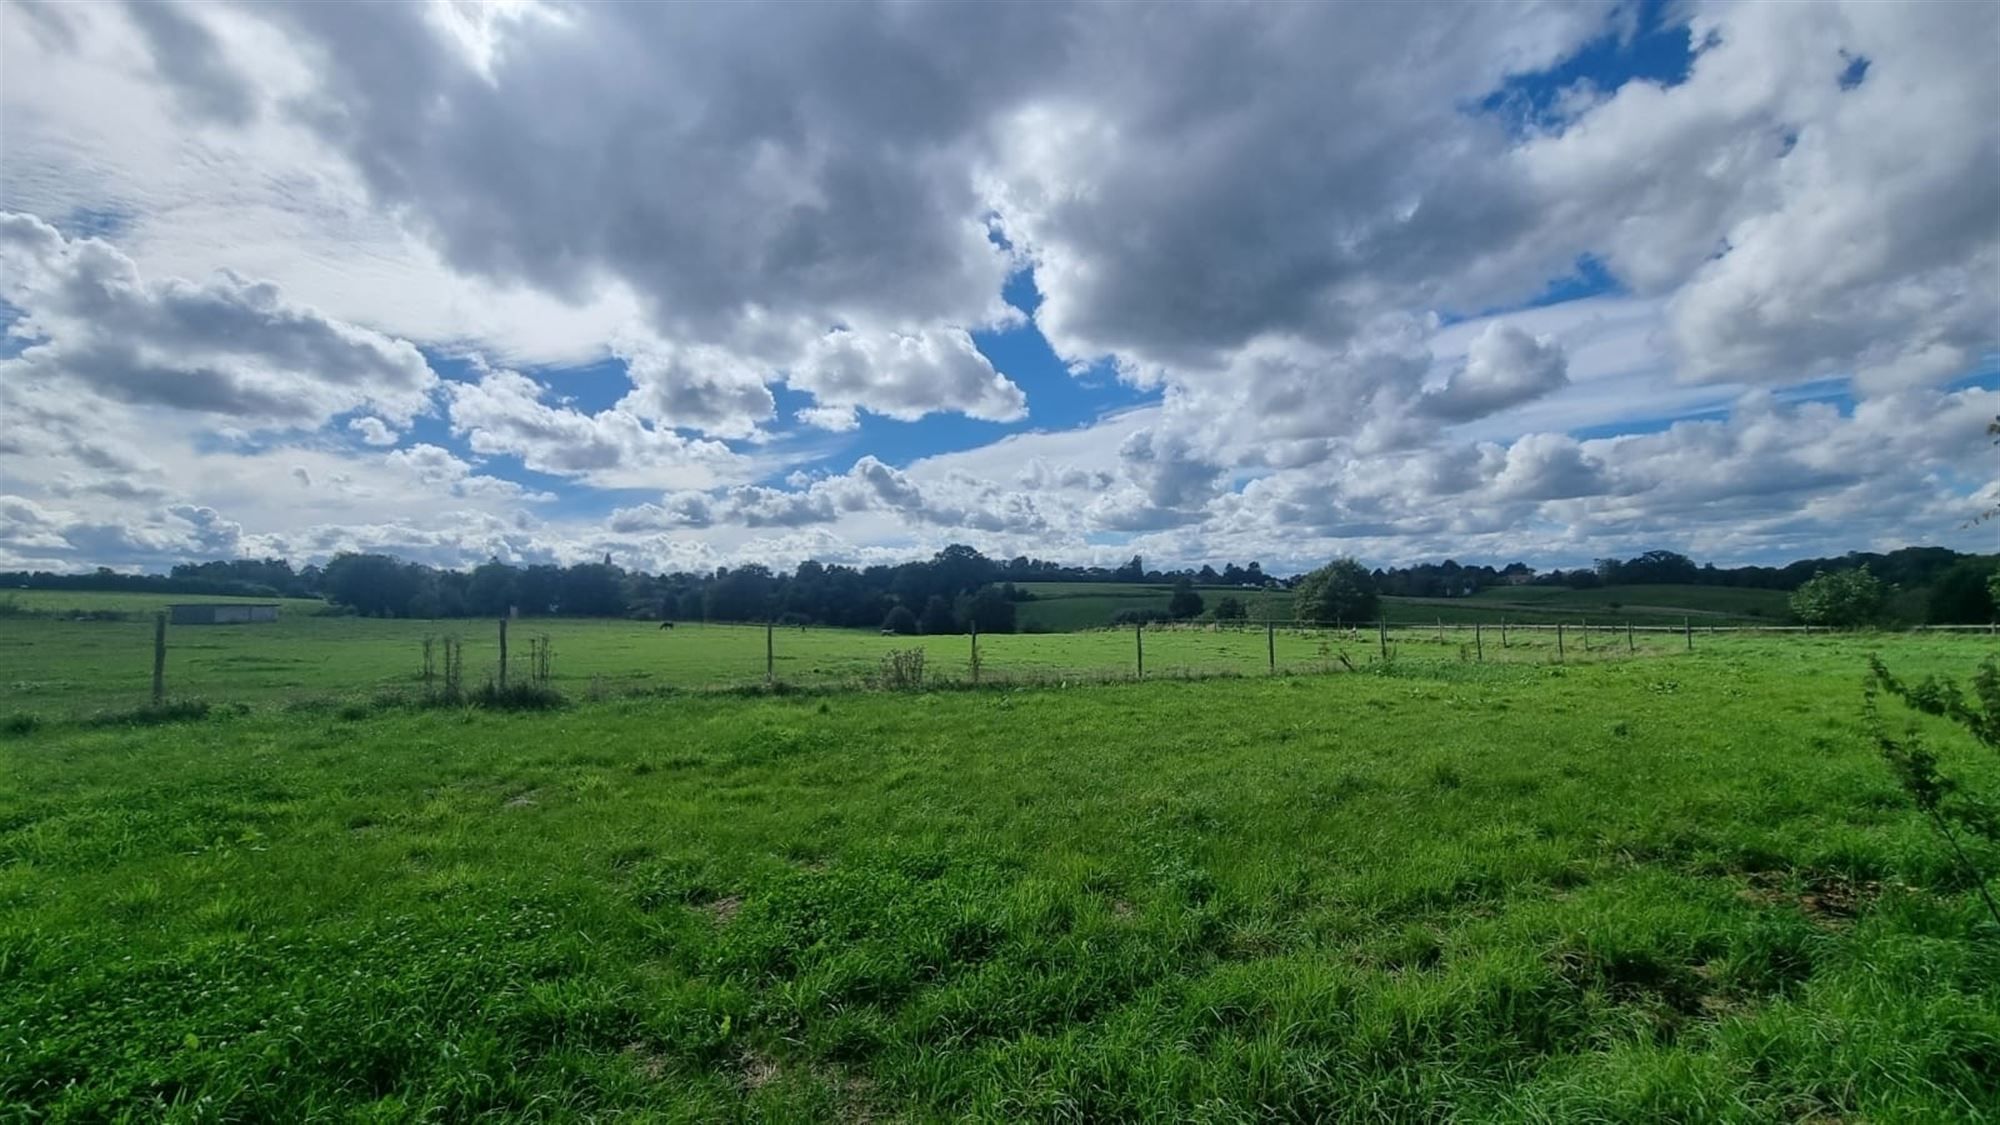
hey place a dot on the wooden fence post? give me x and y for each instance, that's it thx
(159, 658)
(1559, 640)
(975, 652)
(1687, 626)
(1503, 632)
(770, 654)
(1139, 645)
(1271, 645)
(1586, 636)
(503, 654)
(1478, 645)
(1382, 636)
(1440, 630)
(1629, 645)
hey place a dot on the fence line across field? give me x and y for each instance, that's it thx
(1471, 636)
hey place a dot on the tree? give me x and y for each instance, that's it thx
(1185, 603)
(1133, 571)
(1230, 609)
(1963, 595)
(901, 621)
(374, 585)
(990, 610)
(1842, 599)
(936, 618)
(491, 590)
(1342, 591)
(591, 590)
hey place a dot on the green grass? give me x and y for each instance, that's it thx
(1062, 606)
(60, 668)
(1678, 888)
(1770, 606)
(1067, 606)
(63, 601)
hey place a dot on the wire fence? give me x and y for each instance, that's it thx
(59, 666)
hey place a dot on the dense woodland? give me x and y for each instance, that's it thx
(952, 590)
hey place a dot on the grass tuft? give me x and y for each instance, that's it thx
(170, 711)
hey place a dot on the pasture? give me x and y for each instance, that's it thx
(1680, 887)
(1061, 606)
(56, 666)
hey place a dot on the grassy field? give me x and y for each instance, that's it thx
(1676, 888)
(64, 602)
(1061, 606)
(55, 667)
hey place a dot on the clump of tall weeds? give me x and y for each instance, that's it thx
(903, 669)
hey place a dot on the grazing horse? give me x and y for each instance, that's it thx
(666, 624)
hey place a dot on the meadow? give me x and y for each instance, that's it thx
(1061, 606)
(55, 665)
(1678, 887)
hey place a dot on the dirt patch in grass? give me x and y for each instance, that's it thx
(1828, 900)
(524, 800)
(724, 909)
(649, 1063)
(757, 1070)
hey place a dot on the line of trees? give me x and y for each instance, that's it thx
(958, 586)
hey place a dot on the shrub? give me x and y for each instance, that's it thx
(903, 669)
(901, 621)
(1844, 599)
(1341, 592)
(1140, 616)
(1185, 603)
(1947, 802)
(20, 723)
(530, 696)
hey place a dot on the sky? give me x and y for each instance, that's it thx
(698, 285)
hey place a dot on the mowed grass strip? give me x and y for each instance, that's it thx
(1632, 890)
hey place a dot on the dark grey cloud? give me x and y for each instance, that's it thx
(227, 346)
(187, 55)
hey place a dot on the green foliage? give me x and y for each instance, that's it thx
(903, 670)
(1963, 595)
(1454, 892)
(901, 622)
(1945, 799)
(1231, 609)
(936, 619)
(990, 610)
(152, 714)
(1841, 599)
(1342, 591)
(518, 695)
(1184, 603)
